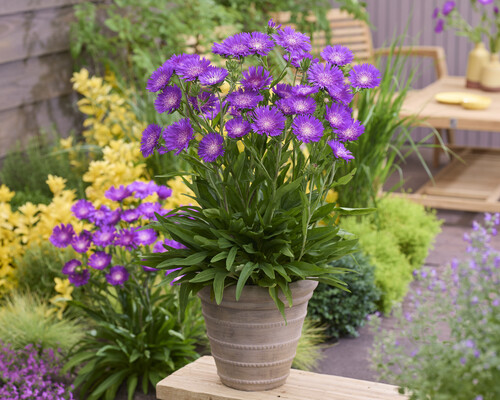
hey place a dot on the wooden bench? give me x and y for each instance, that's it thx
(199, 381)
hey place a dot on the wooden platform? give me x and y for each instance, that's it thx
(199, 381)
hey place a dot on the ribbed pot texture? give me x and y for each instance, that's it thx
(252, 345)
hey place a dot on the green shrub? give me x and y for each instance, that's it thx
(342, 312)
(309, 348)
(25, 319)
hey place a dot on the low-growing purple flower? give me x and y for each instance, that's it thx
(178, 135)
(301, 104)
(234, 46)
(296, 57)
(159, 247)
(283, 90)
(149, 209)
(81, 243)
(168, 100)
(82, 209)
(304, 90)
(126, 238)
(307, 128)
(439, 26)
(145, 236)
(99, 260)
(364, 76)
(71, 266)
(337, 55)
(269, 121)
(163, 192)
(244, 99)
(149, 141)
(62, 235)
(448, 7)
(192, 68)
(260, 43)
(291, 40)
(118, 275)
(130, 215)
(100, 216)
(79, 278)
(326, 76)
(435, 13)
(272, 24)
(341, 94)
(285, 107)
(351, 131)
(160, 78)
(204, 102)
(142, 190)
(237, 127)
(211, 147)
(256, 78)
(338, 115)
(496, 10)
(104, 236)
(117, 193)
(213, 76)
(339, 150)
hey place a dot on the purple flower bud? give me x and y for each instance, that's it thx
(439, 26)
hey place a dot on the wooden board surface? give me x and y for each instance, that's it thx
(17, 6)
(438, 115)
(199, 381)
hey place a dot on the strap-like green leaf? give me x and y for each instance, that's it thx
(244, 275)
(231, 256)
(204, 276)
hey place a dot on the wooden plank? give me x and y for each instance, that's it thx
(39, 78)
(199, 381)
(17, 6)
(452, 203)
(34, 34)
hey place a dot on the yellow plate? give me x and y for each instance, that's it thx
(476, 102)
(451, 97)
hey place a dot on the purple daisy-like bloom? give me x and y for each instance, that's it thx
(204, 102)
(148, 210)
(233, 46)
(338, 115)
(268, 121)
(211, 147)
(295, 58)
(99, 260)
(168, 100)
(149, 140)
(104, 236)
(192, 68)
(448, 7)
(307, 128)
(285, 107)
(160, 78)
(326, 76)
(81, 243)
(242, 99)
(100, 216)
(260, 43)
(213, 76)
(283, 90)
(237, 127)
(71, 266)
(364, 76)
(130, 215)
(163, 192)
(145, 236)
(178, 61)
(126, 238)
(337, 55)
(496, 10)
(113, 217)
(117, 193)
(339, 150)
(435, 13)
(439, 26)
(301, 105)
(159, 247)
(272, 24)
(178, 135)
(304, 90)
(62, 235)
(292, 41)
(143, 189)
(484, 2)
(256, 78)
(79, 278)
(342, 94)
(351, 131)
(118, 275)
(83, 209)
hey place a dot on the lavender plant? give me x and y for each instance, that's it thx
(264, 157)
(137, 334)
(447, 345)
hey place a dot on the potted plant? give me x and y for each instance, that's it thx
(264, 143)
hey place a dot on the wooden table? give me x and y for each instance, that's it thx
(199, 381)
(472, 181)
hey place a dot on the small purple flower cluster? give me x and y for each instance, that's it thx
(112, 229)
(301, 107)
(31, 373)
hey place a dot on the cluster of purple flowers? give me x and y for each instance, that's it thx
(448, 7)
(31, 373)
(120, 228)
(302, 105)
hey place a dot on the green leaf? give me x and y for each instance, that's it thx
(345, 179)
(273, 292)
(111, 380)
(220, 256)
(230, 258)
(244, 275)
(268, 270)
(353, 211)
(193, 259)
(220, 277)
(131, 386)
(204, 276)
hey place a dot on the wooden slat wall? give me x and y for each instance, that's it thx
(394, 16)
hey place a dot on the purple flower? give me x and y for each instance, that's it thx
(168, 100)
(149, 140)
(117, 194)
(159, 247)
(233, 46)
(339, 150)
(113, 217)
(295, 58)
(79, 278)
(104, 236)
(211, 147)
(435, 13)
(256, 78)
(301, 105)
(338, 115)
(192, 68)
(81, 243)
(351, 131)
(100, 216)
(145, 236)
(126, 238)
(292, 41)
(496, 10)
(143, 189)
(118, 275)
(326, 76)
(237, 127)
(178, 135)
(213, 76)
(285, 107)
(484, 2)
(304, 90)
(62, 235)
(242, 99)
(71, 266)
(341, 94)
(204, 102)
(307, 128)
(448, 7)
(439, 26)
(130, 215)
(163, 192)
(82, 209)
(283, 90)
(148, 210)
(269, 121)
(99, 260)
(364, 76)
(260, 43)
(337, 55)
(160, 78)
(272, 24)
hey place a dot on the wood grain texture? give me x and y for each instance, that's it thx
(199, 381)
(18, 6)
(39, 78)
